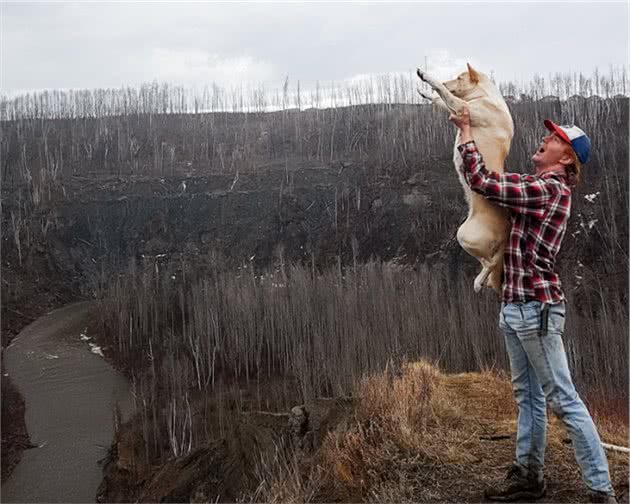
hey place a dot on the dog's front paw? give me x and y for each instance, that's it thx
(421, 74)
(426, 97)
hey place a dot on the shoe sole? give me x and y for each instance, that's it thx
(518, 496)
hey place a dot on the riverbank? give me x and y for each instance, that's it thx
(17, 315)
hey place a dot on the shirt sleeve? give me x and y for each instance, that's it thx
(525, 194)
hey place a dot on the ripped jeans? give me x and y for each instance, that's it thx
(540, 375)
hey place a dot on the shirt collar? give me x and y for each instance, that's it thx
(556, 173)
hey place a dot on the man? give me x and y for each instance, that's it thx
(533, 309)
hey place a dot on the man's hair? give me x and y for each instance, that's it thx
(574, 169)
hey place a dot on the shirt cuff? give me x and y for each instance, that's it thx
(467, 146)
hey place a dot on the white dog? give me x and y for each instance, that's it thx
(485, 232)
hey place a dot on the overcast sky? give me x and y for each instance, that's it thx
(79, 45)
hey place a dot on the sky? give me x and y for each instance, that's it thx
(65, 45)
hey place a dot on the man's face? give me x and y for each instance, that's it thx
(551, 152)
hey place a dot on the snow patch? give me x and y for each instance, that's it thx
(95, 349)
(591, 197)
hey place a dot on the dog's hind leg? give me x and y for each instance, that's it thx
(481, 278)
(495, 279)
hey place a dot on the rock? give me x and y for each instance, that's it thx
(311, 422)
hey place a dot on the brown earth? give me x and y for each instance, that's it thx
(14, 434)
(225, 467)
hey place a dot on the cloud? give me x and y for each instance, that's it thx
(199, 66)
(442, 65)
(109, 44)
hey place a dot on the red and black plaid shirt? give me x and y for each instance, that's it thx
(539, 206)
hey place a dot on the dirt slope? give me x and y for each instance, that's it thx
(414, 436)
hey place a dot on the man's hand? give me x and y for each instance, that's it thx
(462, 121)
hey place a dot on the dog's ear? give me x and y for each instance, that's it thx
(472, 73)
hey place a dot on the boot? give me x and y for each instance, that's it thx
(602, 497)
(519, 484)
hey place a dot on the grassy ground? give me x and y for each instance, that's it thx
(425, 436)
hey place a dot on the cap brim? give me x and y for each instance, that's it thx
(552, 126)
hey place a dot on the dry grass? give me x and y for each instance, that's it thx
(423, 436)
(410, 428)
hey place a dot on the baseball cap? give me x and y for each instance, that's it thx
(579, 140)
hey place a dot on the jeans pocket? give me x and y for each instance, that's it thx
(532, 308)
(521, 317)
(532, 316)
(557, 318)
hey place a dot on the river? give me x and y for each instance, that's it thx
(70, 393)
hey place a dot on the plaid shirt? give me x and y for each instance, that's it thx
(539, 206)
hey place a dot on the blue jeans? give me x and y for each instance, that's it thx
(540, 375)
